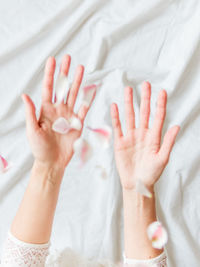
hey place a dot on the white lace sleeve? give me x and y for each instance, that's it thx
(160, 261)
(17, 253)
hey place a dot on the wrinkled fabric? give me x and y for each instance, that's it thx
(120, 43)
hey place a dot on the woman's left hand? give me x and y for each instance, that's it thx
(48, 146)
(139, 153)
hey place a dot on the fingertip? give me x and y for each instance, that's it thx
(24, 97)
(163, 92)
(146, 84)
(81, 67)
(113, 107)
(51, 59)
(128, 89)
(50, 62)
(177, 127)
(67, 56)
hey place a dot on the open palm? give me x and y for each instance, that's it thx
(139, 154)
(47, 145)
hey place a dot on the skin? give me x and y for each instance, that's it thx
(52, 153)
(138, 154)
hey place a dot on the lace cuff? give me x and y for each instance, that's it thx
(160, 261)
(19, 254)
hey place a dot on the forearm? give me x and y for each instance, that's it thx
(34, 218)
(139, 212)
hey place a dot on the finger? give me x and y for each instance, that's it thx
(84, 108)
(75, 87)
(159, 117)
(129, 110)
(145, 105)
(116, 121)
(64, 67)
(47, 88)
(31, 119)
(168, 142)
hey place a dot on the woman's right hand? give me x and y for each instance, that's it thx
(49, 147)
(139, 154)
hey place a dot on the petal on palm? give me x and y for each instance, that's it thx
(61, 125)
(142, 189)
(103, 134)
(75, 123)
(4, 165)
(83, 149)
(61, 88)
(157, 234)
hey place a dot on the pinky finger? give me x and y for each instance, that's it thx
(168, 143)
(116, 121)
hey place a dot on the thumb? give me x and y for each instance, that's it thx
(31, 119)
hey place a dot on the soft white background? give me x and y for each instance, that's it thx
(120, 43)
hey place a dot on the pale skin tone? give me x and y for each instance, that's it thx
(138, 154)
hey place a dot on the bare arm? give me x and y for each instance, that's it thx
(34, 218)
(52, 152)
(140, 155)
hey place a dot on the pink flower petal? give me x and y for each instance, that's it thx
(83, 149)
(157, 234)
(88, 93)
(61, 88)
(103, 134)
(142, 189)
(61, 125)
(4, 165)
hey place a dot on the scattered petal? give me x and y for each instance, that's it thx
(83, 149)
(88, 93)
(157, 234)
(4, 165)
(61, 88)
(61, 125)
(103, 171)
(142, 189)
(103, 134)
(75, 123)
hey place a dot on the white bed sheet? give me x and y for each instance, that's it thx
(120, 43)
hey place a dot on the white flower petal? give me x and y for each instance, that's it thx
(83, 149)
(142, 189)
(157, 234)
(75, 123)
(61, 125)
(61, 88)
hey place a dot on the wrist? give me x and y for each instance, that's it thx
(46, 175)
(133, 198)
(132, 190)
